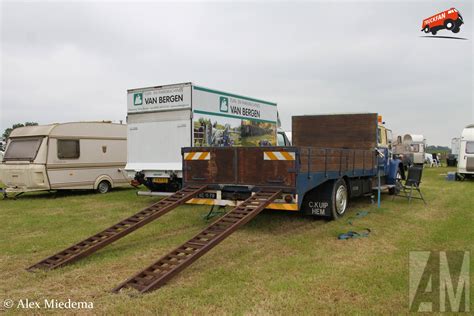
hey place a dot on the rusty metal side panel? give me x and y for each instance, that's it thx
(253, 169)
(219, 168)
(242, 166)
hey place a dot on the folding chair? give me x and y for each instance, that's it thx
(411, 183)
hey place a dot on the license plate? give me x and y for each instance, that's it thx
(207, 195)
(160, 180)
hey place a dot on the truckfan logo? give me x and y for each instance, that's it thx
(224, 104)
(138, 99)
(450, 20)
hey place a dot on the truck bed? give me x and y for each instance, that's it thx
(290, 169)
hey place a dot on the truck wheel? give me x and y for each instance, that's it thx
(340, 199)
(434, 32)
(426, 29)
(103, 187)
(455, 30)
(449, 24)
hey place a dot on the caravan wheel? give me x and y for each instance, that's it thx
(103, 187)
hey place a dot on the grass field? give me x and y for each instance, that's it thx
(279, 263)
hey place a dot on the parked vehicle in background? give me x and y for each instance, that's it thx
(163, 119)
(452, 159)
(82, 155)
(411, 149)
(466, 153)
(450, 20)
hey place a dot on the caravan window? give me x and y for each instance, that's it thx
(23, 149)
(68, 149)
(415, 148)
(470, 148)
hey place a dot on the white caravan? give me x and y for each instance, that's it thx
(411, 148)
(452, 159)
(416, 148)
(466, 152)
(82, 155)
(455, 146)
(163, 119)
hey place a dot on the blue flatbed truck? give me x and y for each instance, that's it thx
(333, 158)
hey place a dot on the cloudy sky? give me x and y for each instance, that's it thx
(70, 61)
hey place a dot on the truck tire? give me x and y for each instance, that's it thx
(426, 29)
(328, 200)
(103, 187)
(456, 29)
(449, 24)
(434, 32)
(340, 199)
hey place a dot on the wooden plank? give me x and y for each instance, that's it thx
(355, 131)
(336, 160)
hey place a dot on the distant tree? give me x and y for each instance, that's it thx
(7, 131)
(437, 149)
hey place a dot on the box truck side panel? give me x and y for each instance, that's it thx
(165, 98)
(159, 124)
(155, 141)
(223, 119)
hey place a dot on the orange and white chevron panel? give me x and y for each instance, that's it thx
(197, 155)
(278, 155)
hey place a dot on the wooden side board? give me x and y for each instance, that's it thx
(356, 131)
(320, 160)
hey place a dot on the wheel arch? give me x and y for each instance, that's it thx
(101, 178)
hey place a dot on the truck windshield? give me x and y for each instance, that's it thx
(22, 149)
(280, 139)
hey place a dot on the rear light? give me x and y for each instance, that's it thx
(288, 198)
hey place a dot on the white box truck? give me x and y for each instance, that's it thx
(163, 119)
(466, 153)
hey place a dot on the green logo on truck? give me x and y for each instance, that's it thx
(137, 98)
(224, 104)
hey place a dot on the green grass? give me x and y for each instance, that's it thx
(279, 263)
